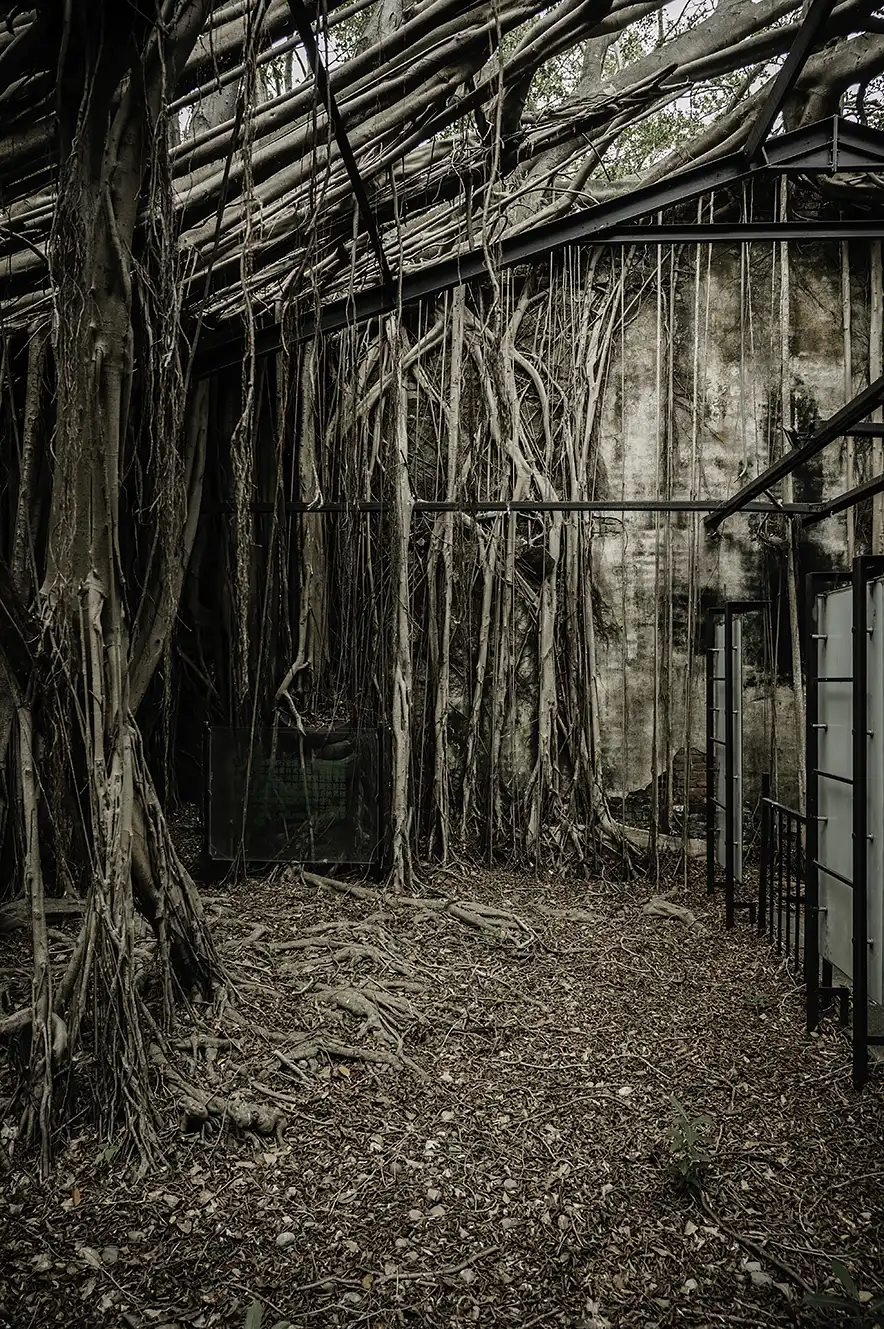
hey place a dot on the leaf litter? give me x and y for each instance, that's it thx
(484, 1112)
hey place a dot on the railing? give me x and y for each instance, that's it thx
(782, 879)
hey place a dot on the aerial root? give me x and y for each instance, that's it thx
(199, 1107)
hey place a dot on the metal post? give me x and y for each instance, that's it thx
(860, 1030)
(710, 752)
(812, 877)
(779, 880)
(764, 864)
(799, 943)
(730, 820)
(788, 824)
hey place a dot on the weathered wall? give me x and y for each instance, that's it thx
(718, 427)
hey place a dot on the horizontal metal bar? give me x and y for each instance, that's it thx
(830, 872)
(867, 431)
(829, 775)
(525, 507)
(848, 499)
(834, 678)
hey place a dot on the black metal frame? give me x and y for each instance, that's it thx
(781, 873)
(819, 989)
(305, 32)
(511, 507)
(847, 500)
(864, 570)
(380, 860)
(730, 610)
(819, 977)
(811, 148)
(836, 426)
(809, 29)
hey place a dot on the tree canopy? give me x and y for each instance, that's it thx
(467, 120)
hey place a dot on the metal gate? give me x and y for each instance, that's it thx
(724, 752)
(845, 799)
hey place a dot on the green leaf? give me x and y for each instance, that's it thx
(845, 1278)
(253, 1316)
(824, 1301)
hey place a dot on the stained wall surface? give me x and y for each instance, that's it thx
(699, 428)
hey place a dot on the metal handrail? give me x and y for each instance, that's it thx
(783, 807)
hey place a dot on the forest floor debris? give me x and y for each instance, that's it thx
(589, 1116)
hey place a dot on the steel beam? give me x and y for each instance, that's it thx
(526, 507)
(601, 224)
(305, 32)
(826, 146)
(836, 426)
(815, 18)
(845, 501)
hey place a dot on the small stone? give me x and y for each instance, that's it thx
(414, 1215)
(110, 1255)
(510, 1184)
(284, 1239)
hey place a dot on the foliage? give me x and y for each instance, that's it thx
(255, 1315)
(688, 1136)
(864, 1308)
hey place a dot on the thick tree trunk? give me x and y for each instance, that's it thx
(110, 96)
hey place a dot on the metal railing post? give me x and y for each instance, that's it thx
(730, 819)
(765, 856)
(811, 873)
(710, 753)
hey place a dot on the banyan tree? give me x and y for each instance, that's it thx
(229, 496)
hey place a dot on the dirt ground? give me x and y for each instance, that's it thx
(595, 1118)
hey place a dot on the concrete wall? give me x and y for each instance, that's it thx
(732, 371)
